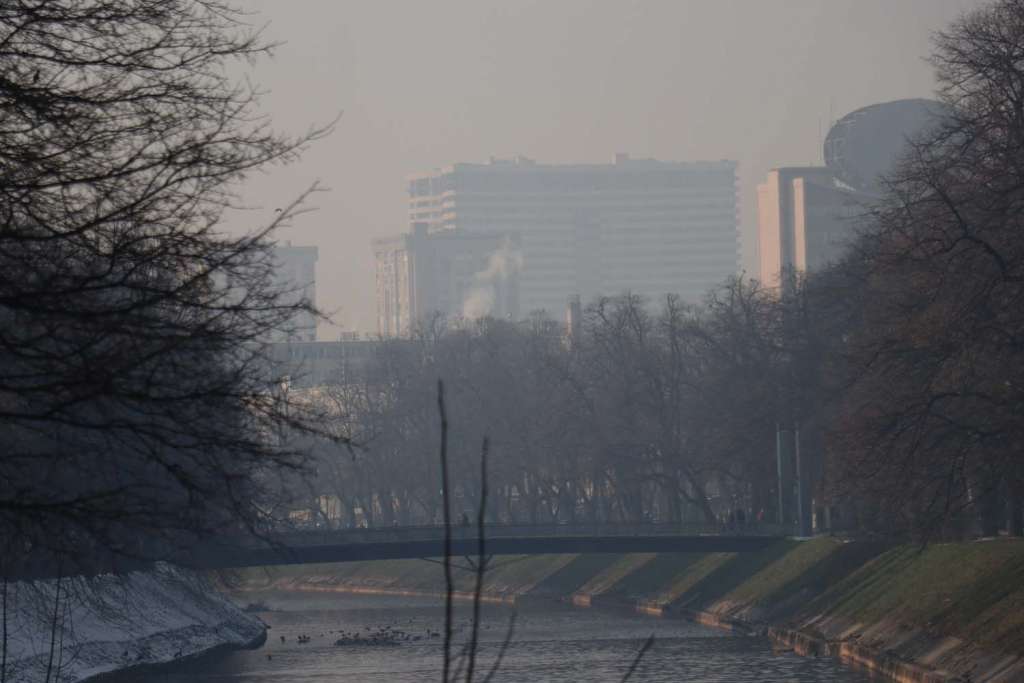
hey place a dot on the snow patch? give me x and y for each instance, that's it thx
(110, 622)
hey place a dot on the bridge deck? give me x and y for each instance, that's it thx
(353, 545)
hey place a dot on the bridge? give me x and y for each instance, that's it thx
(393, 543)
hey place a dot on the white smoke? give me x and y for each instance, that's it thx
(501, 265)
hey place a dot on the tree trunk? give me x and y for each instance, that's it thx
(53, 627)
(987, 505)
(3, 645)
(1015, 505)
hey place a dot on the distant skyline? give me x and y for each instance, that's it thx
(429, 84)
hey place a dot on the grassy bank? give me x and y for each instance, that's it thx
(955, 608)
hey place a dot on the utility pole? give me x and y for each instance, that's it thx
(803, 487)
(795, 473)
(784, 461)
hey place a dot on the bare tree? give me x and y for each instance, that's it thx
(467, 660)
(136, 401)
(935, 412)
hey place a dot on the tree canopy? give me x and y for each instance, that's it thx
(135, 400)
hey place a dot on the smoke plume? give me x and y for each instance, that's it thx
(481, 300)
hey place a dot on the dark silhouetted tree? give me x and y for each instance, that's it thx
(136, 403)
(932, 426)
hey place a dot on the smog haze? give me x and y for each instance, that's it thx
(424, 85)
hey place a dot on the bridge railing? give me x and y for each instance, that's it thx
(397, 534)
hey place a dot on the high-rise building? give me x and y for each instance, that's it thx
(295, 274)
(807, 215)
(453, 273)
(650, 227)
(804, 220)
(393, 263)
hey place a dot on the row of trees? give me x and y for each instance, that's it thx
(679, 413)
(892, 382)
(632, 415)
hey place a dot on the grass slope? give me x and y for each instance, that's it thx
(971, 591)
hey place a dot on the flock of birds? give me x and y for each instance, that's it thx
(382, 636)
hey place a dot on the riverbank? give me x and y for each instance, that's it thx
(98, 625)
(950, 612)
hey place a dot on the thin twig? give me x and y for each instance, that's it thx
(460, 662)
(60, 643)
(504, 648)
(639, 655)
(468, 567)
(53, 624)
(3, 656)
(449, 586)
(481, 561)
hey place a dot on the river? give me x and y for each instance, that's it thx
(550, 643)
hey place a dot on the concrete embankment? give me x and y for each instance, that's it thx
(949, 612)
(103, 624)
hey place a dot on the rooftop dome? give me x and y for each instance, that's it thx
(865, 144)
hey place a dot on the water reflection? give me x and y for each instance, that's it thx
(552, 643)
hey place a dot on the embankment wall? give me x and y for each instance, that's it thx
(108, 623)
(949, 612)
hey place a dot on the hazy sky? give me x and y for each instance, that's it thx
(425, 84)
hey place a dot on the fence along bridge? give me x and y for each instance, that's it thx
(394, 543)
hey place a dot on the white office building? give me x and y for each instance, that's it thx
(641, 225)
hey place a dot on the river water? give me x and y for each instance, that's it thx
(550, 643)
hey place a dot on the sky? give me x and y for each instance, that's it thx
(427, 84)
